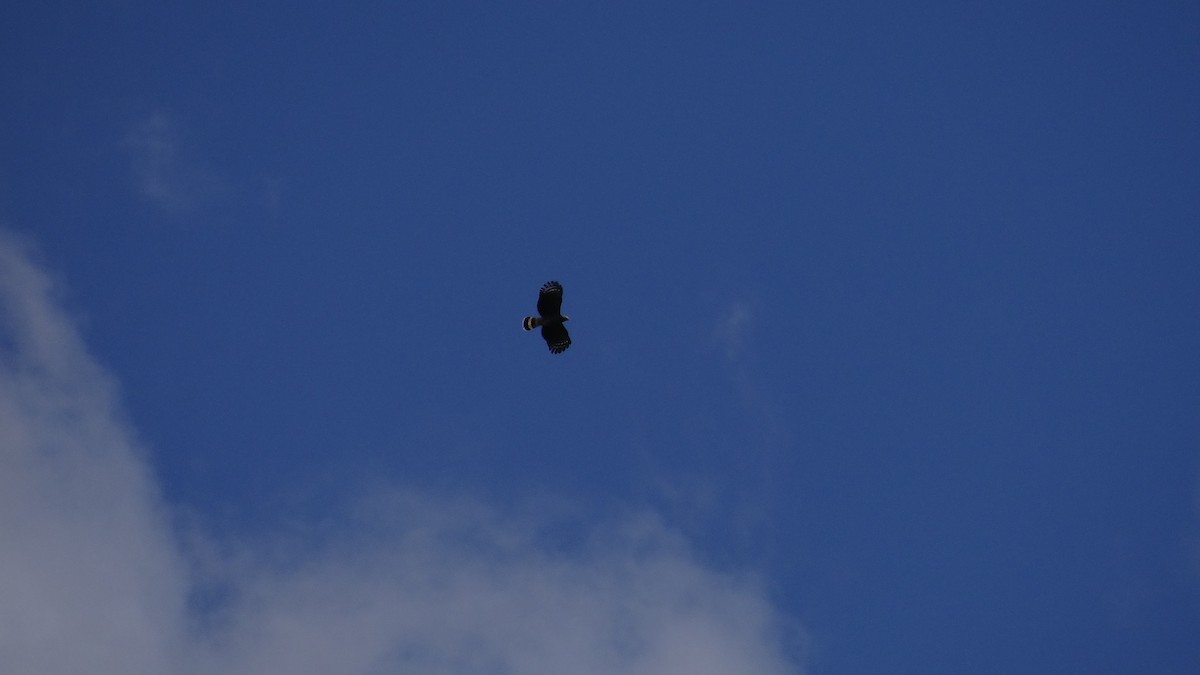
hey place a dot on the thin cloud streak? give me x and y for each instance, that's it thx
(731, 331)
(95, 580)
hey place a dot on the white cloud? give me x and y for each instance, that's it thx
(451, 588)
(93, 580)
(89, 578)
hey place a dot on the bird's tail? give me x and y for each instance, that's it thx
(531, 322)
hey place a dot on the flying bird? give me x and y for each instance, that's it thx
(549, 306)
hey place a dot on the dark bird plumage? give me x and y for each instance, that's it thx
(551, 319)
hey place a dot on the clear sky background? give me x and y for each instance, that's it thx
(885, 322)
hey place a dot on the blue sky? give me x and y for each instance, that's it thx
(884, 321)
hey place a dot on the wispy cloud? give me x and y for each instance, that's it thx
(769, 437)
(732, 328)
(165, 170)
(94, 580)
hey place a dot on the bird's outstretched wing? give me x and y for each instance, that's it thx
(550, 299)
(556, 337)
